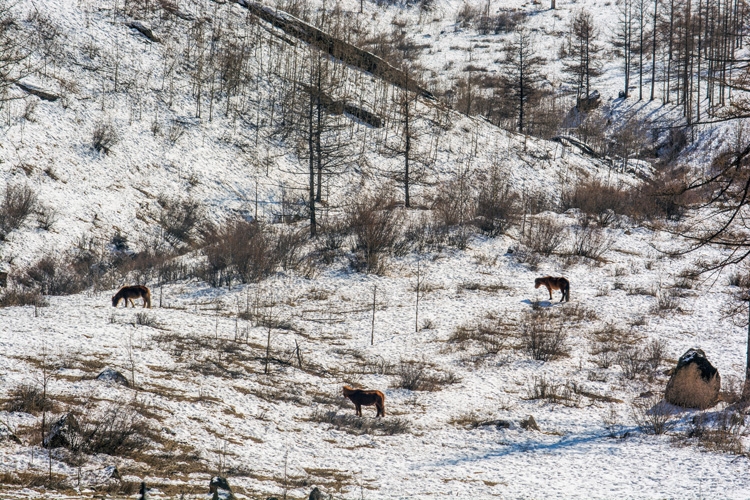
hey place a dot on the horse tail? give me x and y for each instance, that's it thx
(147, 298)
(381, 404)
(567, 292)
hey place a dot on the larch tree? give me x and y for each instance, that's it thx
(521, 73)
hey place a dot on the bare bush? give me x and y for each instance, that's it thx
(663, 197)
(550, 391)
(239, 249)
(590, 241)
(453, 211)
(608, 342)
(496, 205)
(598, 201)
(358, 425)
(544, 235)
(375, 224)
(144, 319)
(18, 203)
(180, 220)
(53, 276)
(19, 296)
(543, 336)
(104, 137)
(114, 429)
(652, 415)
(632, 361)
(28, 399)
(721, 432)
(666, 301)
(415, 376)
(491, 335)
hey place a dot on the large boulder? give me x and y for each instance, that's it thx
(62, 433)
(113, 376)
(694, 383)
(219, 489)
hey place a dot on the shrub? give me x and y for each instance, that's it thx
(590, 241)
(113, 429)
(453, 211)
(663, 197)
(52, 276)
(543, 336)
(596, 200)
(104, 137)
(544, 235)
(28, 399)
(414, 376)
(496, 206)
(358, 425)
(652, 415)
(18, 203)
(632, 361)
(180, 220)
(239, 249)
(18, 296)
(721, 433)
(375, 224)
(556, 393)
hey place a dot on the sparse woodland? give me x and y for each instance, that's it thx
(361, 193)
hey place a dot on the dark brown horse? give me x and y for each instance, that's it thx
(132, 292)
(552, 283)
(362, 397)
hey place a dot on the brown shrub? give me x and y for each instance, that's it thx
(543, 336)
(598, 201)
(496, 206)
(239, 249)
(17, 204)
(543, 235)
(375, 224)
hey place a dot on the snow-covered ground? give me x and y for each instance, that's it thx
(257, 425)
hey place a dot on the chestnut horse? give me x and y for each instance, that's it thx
(132, 292)
(362, 397)
(551, 283)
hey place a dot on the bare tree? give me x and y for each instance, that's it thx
(581, 62)
(521, 75)
(13, 49)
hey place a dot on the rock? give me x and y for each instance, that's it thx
(144, 30)
(589, 102)
(315, 494)
(530, 424)
(62, 432)
(111, 472)
(40, 93)
(219, 488)
(110, 375)
(694, 383)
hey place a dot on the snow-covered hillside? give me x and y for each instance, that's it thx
(245, 381)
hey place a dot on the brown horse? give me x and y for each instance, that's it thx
(552, 283)
(132, 292)
(362, 397)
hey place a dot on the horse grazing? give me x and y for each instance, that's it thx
(552, 283)
(132, 292)
(361, 397)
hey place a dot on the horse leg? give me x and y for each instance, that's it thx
(132, 303)
(359, 409)
(549, 289)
